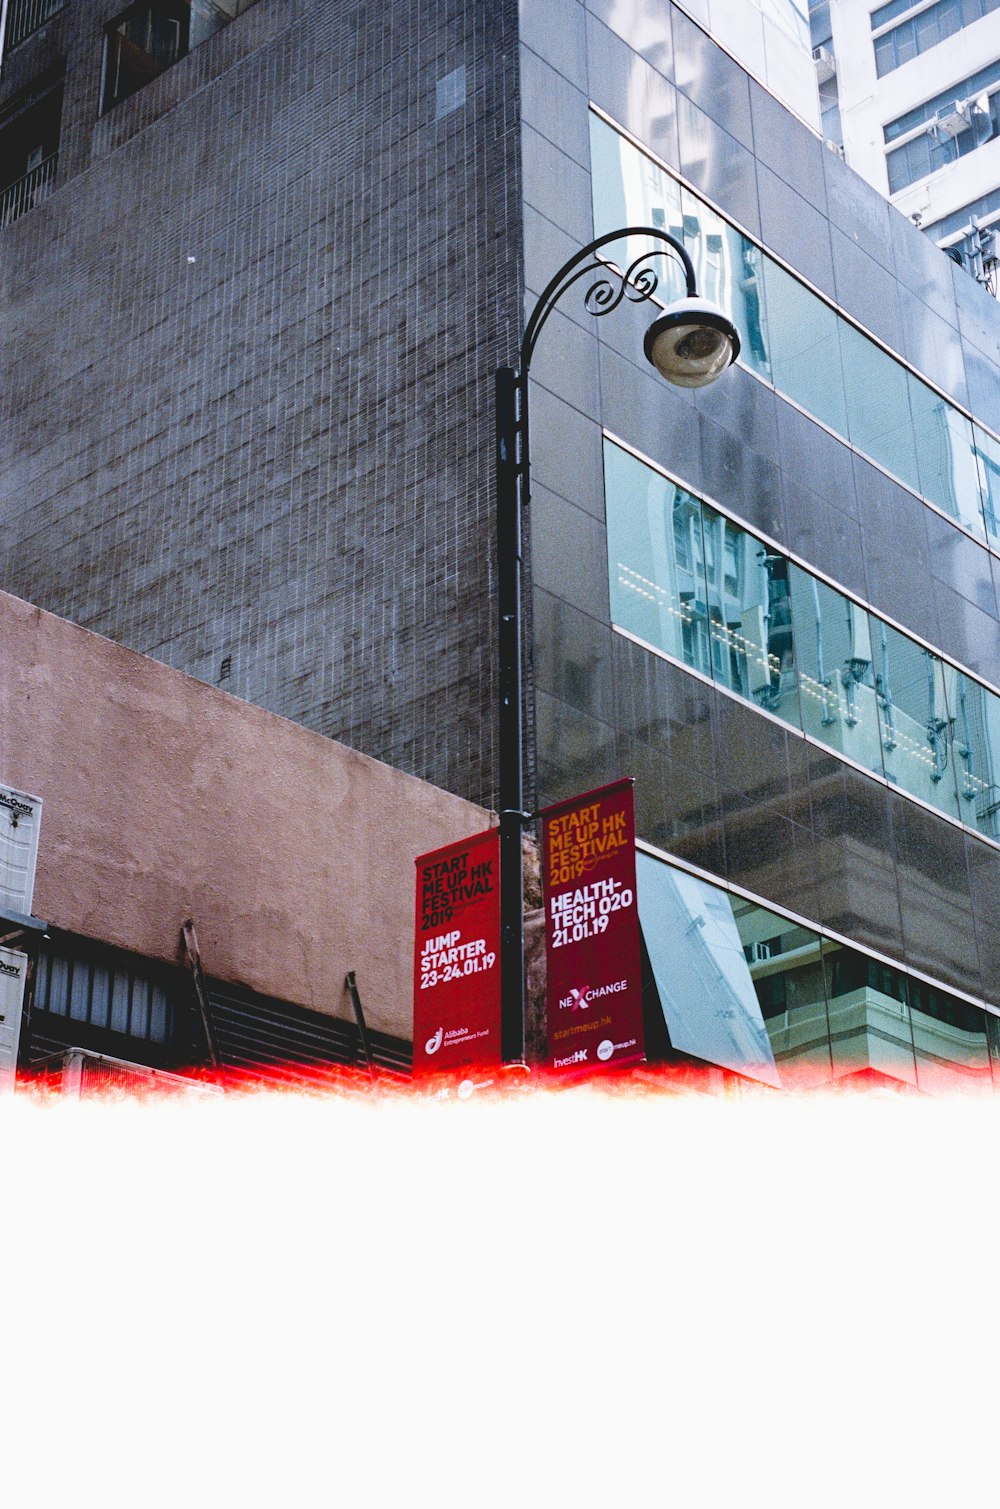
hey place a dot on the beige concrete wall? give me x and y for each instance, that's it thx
(165, 798)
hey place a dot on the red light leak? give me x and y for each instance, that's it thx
(486, 1082)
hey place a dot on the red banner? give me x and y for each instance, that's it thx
(456, 956)
(594, 989)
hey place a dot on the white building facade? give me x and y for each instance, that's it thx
(911, 92)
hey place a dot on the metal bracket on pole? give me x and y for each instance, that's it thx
(352, 990)
(193, 953)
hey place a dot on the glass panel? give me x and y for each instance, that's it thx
(878, 418)
(805, 350)
(785, 964)
(885, 55)
(701, 971)
(655, 566)
(728, 269)
(630, 189)
(750, 616)
(946, 461)
(951, 1041)
(869, 1017)
(833, 648)
(977, 752)
(916, 729)
(988, 464)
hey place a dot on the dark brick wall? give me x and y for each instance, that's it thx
(247, 367)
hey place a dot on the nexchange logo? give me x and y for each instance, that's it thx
(579, 1000)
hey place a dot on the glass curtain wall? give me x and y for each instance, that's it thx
(799, 344)
(771, 998)
(694, 585)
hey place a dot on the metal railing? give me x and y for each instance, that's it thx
(24, 193)
(26, 16)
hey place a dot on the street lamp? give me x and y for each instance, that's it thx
(690, 344)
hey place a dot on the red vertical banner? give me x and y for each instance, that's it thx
(594, 989)
(456, 956)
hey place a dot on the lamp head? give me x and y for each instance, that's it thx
(692, 343)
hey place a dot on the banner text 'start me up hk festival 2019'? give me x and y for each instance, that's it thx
(456, 961)
(594, 989)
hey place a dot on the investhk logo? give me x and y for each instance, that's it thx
(433, 1043)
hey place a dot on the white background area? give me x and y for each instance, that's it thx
(559, 1300)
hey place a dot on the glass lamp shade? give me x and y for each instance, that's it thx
(691, 343)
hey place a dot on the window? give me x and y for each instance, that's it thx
(799, 343)
(29, 147)
(150, 37)
(773, 634)
(925, 30)
(776, 1000)
(978, 122)
(969, 88)
(25, 17)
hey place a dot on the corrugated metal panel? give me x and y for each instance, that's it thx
(291, 1042)
(110, 991)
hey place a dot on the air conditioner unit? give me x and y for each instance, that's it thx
(85, 1073)
(952, 121)
(826, 64)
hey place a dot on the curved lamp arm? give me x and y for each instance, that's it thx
(637, 283)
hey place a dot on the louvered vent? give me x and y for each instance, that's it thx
(291, 1044)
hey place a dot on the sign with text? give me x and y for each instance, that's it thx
(594, 989)
(456, 957)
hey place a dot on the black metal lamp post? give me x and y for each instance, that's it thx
(690, 344)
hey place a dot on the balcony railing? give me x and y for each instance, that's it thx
(24, 193)
(26, 16)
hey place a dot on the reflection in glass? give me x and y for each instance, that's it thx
(833, 648)
(750, 613)
(785, 964)
(878, 405)
(728, 269)
(950, 1040)
(655, 565)
(698, 587)
(977, 750)
(805, 348)
(915, 723)
(946, 462)
(701, 972)
(630, 189)
(988, 458)
(771, 998)
(796, 341)
(869, 1017)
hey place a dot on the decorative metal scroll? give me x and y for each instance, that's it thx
(637, 283)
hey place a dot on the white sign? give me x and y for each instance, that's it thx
(13, 967)
(20, 817)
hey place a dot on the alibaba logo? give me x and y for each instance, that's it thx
(433, 1043)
